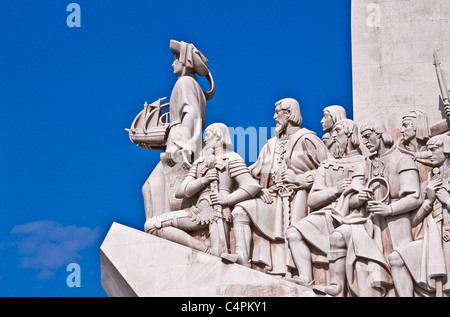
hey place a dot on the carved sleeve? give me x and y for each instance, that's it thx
(187, 108)
(191, 184)
(320, 194)
(409, 192)
(248, 187)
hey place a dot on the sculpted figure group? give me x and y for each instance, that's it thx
(316, 212)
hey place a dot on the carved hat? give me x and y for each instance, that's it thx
(423, 132)
(191, 57)
(336, 112)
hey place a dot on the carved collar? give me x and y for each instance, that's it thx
(221, 163)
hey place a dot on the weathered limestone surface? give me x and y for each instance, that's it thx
(392, 56)
(134, 263)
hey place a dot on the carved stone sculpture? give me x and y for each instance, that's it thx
(285, 169)
(331, 115)
(415, 132)
(361, 248)
(443, 79)
(427, 259)
(331, 198)
(183, 138)
(221, 179)
(323, 214)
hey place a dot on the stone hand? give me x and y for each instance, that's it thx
(364, 195)
(379, 208)
(447, 108)
(218, 199)
(265, 196)
(342, 185)
(432, 187)
(446, 235)
(288, 176)
(210, 176)
(443, 196)
(171, 155)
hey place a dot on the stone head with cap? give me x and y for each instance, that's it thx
(190, 61)
(415, 125)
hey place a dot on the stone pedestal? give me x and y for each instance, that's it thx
(392, 58)
(134, 263)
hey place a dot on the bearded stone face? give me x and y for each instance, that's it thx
(281, 118)
(340, 141)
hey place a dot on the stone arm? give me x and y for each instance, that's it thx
(306, 158)
(422, 212)
(191, 185)
(320, 194)
(409, 193)
(187, 119)
(357, 184)
(319, 198)
(304, 180)
(187, 138)
(248, 188)
(431, 193)
(187, 133)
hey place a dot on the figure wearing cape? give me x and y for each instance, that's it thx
(178, 132)
(361, 246)
(304, 152)
(427, 259)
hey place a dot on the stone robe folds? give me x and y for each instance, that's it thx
(371, 240)
(187, 121)
(304, 152)
(187, 99)
(326, 209)
(428, 257)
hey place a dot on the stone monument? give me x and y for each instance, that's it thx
(362, 212)
(393, 61)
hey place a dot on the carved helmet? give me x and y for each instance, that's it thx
(191, 57)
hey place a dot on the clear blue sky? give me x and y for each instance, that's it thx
(68, 169)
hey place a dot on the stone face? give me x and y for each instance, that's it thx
(134, 263)
(392, 53)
